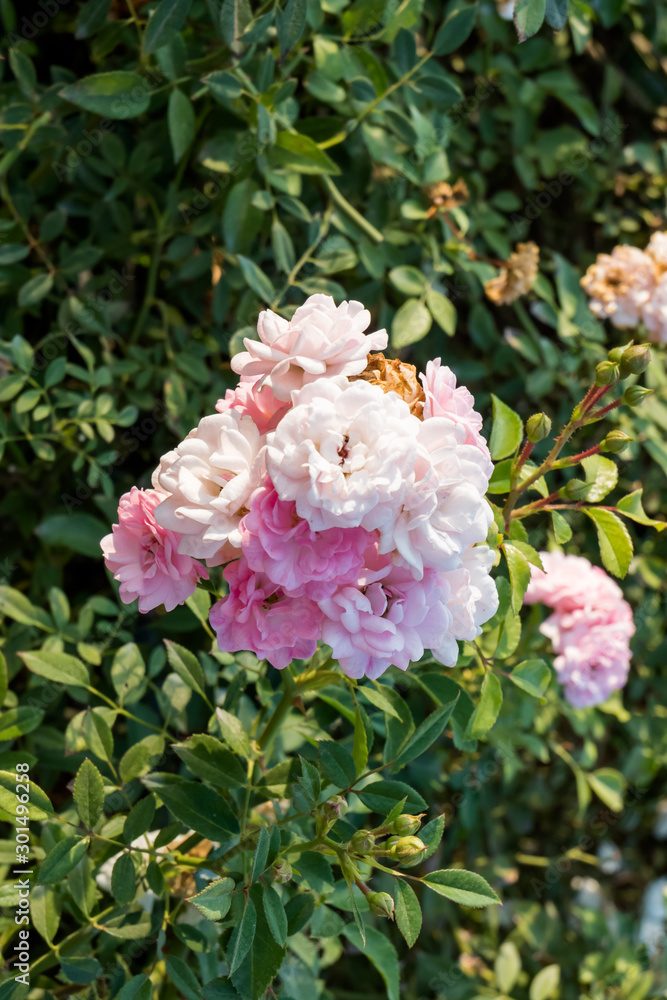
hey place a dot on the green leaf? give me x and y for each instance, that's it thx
(61, 859)
(118, 94)
(410, 324)
(381, 796)
(261, 854)
(519, 568)
(283, 248)
(88, 793)
(302, 154)
(426, 733)
(546, 984)
(127, 672)
(232, 732)
(507, 430)
(532, 676)
(4, 677)
(45, 910)
(242, 937)
(142, 757)
(181, 122)
(187, 666)
(97, 734)
(377, 697)
(92, 17)
(180, 974)
(164, 23)
(59, 667)
(562, 530)
(16, 605)
(408, 280)
(136, 988)
(256, 279)
(215, 900)
(465, 888)
(556, 13)
(39, 805)
(194, 804)
(529, 17)
(291, 23)
(360, 747)
(262, 963)
(35, 289)
(139, 819)
(210, 760)
(457, 26)
(19, 721)
(235, 16)
(276, 918)
(337, 765)
(507, 967)
(488, 708)
(408, 911)
(614, 540)
(631, 506)
(381, 952)
(79, 532)
(123, 877)
(609, 785)
(442, 310)
(601, 474)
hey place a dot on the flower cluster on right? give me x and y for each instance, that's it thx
(590, 628)
(629, 286)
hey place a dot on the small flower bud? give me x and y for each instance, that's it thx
(405, 848)
(635, 394)
(381, 904)
(282, 872)
(615, 441)
(538, 427)
(616, 353)
(635, 360)
(606, 373)
(362, 842)
(334, 808)
(405, 825)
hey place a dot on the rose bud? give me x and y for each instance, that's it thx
(362, 842)
(405, 848)
(607, 373)
(282, 872)
(615, 441)
(381, 904)
(635, 394)
(334, 808)
(635, 360)
(405, 825)
(538, 427)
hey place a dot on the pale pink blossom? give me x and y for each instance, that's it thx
(254, 401)
(471, 597)
(344, 453)
(657, 248)
(321, 339)
(445, 399)
(144, 556)
(620, 284)
(655, 311)
(259, 616)
(208, 480)
(276, 541)
(590, 628)
(387, 619)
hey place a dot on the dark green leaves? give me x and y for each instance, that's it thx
(529, 17)
(215, 900)
(465, 888)
(381, 796)
(488, 708)
(195, 805)
(88, 793)
(408, 911)
(291, 22)
(302, 154)
(242, 937)
(61, 859)
(458, 24)
(117, 94)
(209, 759)
(165, 22)
(60, 667)
(426, 734)
(181, 120)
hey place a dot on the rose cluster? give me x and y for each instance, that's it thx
(590, 628)
(629, 286)
(345, 496)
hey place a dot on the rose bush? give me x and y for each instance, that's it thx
(331, 322)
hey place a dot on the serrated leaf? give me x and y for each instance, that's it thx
(408, 911)
(260, 855)
(631, 506)
(276, 918)
(614, 540)
(532, 676)
(380, 951)
(337, 765)
(55, 666)
(88, 793)
(166, 21)
(601, 475)
(232, 732)
(209, 759)
(139, 818)
(256, 279)
(194, 804)
(123, 876)
(463, 887)
(426, 733)
(381, 796)
(215, 900)
(519, 569)
(182, 976)
(360, 746)
(488, 708)
(506, 432)
(39, 803)
(562, 530)
(242, 937)
(187, 666)
(377, 697)
(61, 859)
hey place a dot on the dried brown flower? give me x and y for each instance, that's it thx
(517, 277)
(393, 375)
(444, 196)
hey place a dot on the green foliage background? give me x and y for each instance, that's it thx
(167, 170)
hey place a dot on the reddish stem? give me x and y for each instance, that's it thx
(605, 409)
(574, 459)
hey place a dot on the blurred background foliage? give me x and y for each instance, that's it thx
(163, 178)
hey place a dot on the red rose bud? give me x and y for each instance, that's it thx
(282, 872)
(538, 427)
(635, 394)
(362, 842)
(607, 373)
(405, 825)
(615, 441)
(381, 904)
(635, 360)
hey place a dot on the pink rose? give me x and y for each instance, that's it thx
(444, 399)
(251, 401)
(258, 615)
(144, 556)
